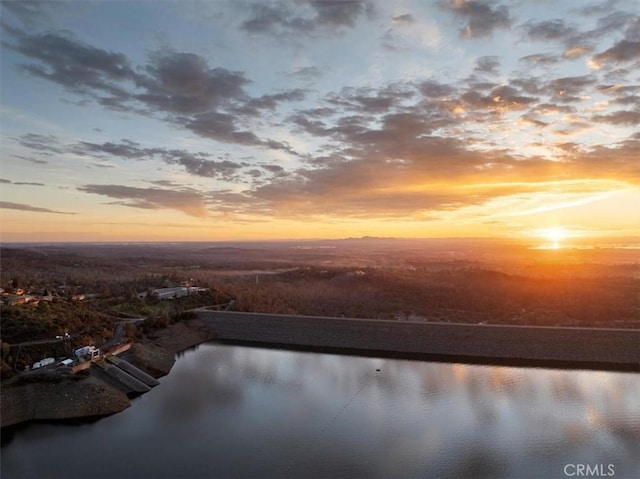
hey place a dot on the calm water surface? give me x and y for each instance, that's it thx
(234, 412)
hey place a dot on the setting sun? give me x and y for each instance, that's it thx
(555, 235)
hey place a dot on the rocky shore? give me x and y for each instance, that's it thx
(53, 395)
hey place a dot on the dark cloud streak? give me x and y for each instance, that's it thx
(197, 164)
(549, 30)
(186, 200)
(35, 209)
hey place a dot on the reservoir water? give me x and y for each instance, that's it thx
(234, 412)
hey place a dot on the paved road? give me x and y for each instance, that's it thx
(40, 341)
(591, 348)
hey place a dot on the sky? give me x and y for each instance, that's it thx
(252, 120)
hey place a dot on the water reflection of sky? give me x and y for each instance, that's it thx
(228, 411)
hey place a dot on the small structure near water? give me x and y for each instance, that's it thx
(87, 353)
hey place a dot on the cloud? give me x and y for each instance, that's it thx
(34, 14)
(552, 109)
(500, 99)
(180, 88)
(198, 164)
(630, 100)
(27, 183)
(577, 51)
(598, 8)
(618, 89)
(618, 161)
(183, 83)
(30, 160)
(530, 120)
(621, 52)
(340, 12)
(124, 149)
(569, 89)
(307, 73)
(409, 153)
(437, 176)
(540, 59)
(187, 200)
(619, 21)
(446, 177)
(481, 17)
(549, 30)
(411, 148)
(434, 89)
(406, 19)
(406, 32)
(22, 207)
(256, 106)
(209, 168)
(578, 43)
(306, 17)
(370, 100)
(630, 118)
(78, 67)
(267, 19)
(45, 144)
(488, 65)
(275, 169)
(222, 127)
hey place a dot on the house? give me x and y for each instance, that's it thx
(177, 292)
(170, 293)
(15, 300)
(87, 352)
(195, 289)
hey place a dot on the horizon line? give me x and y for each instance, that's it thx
(590, 239)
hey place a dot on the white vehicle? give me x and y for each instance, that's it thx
(43, 362)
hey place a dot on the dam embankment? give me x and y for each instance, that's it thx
(581, 348)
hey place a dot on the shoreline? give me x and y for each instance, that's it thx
(52, 397)
(88, 397)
